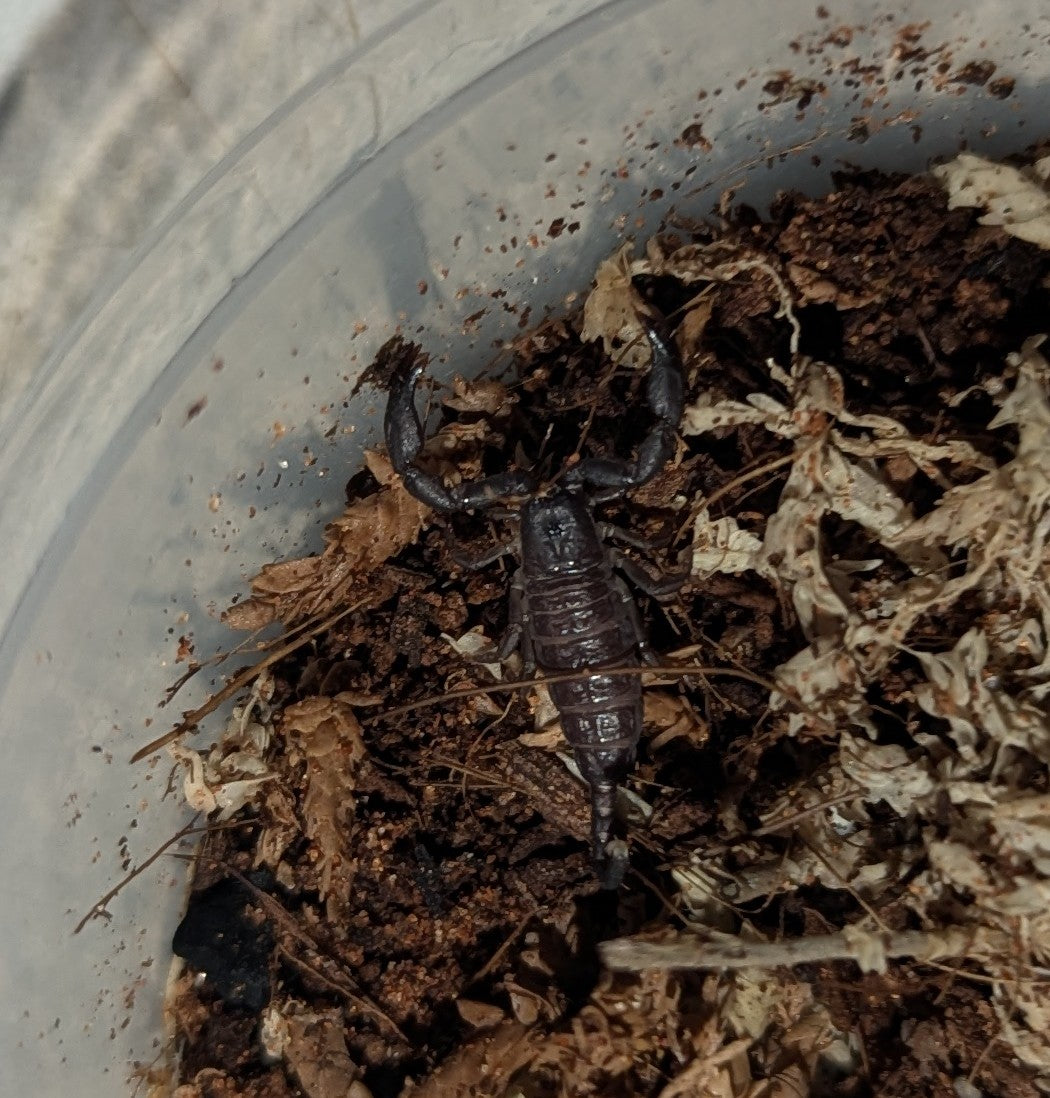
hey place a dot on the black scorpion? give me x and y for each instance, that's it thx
(569, 610)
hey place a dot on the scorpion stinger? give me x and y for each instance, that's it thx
(569, 610)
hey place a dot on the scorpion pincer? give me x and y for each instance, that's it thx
(569, 609)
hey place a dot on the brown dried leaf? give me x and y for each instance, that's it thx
(482, 1068)
(250, 615)
(315, 1051)
(527, 1006)
(483, 396)
(670, 717)
(364, 537)
(329, 735)
(691, 329)
(372, 530)
(480, 1016)
(286, 577)
(281, 826)
(625, 1028)
(612, 310)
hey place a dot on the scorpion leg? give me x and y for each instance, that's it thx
(516, 633)
(483, 560)
(403, 432)
(609, 854)
(645, 653)
(640, 578)
(609, 531)
(613, 476)
(657, 587)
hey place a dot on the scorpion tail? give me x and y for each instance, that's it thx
(612, 867)
(608, 854)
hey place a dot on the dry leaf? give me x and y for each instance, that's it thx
(482, 1068)
(471, 645)
(482, 395)
(989, 687)
(250, 615)
(234, 772)
(316, 1054)
(1015, 198)
(480, 1016)
(667, 717)
(329, 735)
(368, 533)
(692, 327)
(612, 310)
(720, 545)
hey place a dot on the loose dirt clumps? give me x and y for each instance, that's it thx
(840, 819)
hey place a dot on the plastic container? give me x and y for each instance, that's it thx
(168, 447)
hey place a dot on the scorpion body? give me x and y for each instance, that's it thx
(581, 617)
(569, 610)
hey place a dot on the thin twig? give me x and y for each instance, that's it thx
(492, 781)
(98, 909)
(351, 996)
(500, 953)
(284, 919)
(191, 719)
(578, 676)
(803, 813)
(691, 952)
(236, 650)
(707, 502)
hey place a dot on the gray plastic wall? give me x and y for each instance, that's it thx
(161, 446)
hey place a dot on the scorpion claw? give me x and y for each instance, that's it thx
(401, 426)
(403, 432)
(613, 477)
(664, 388)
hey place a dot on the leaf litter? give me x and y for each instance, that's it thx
(840, 882)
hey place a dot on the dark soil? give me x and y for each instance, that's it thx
(466, 897)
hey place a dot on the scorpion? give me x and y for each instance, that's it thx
(569, 610)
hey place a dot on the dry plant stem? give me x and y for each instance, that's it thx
(575, 676)
(98, 908)
(633, 955)
(222, 657)
(191, 719)
(363, 1005)
(797, 817)
(491, 964)
(287, 923)
(707, 502)
(491, 781)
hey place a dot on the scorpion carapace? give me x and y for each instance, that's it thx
(569, 609)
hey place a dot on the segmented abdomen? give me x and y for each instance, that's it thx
(577, 622)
